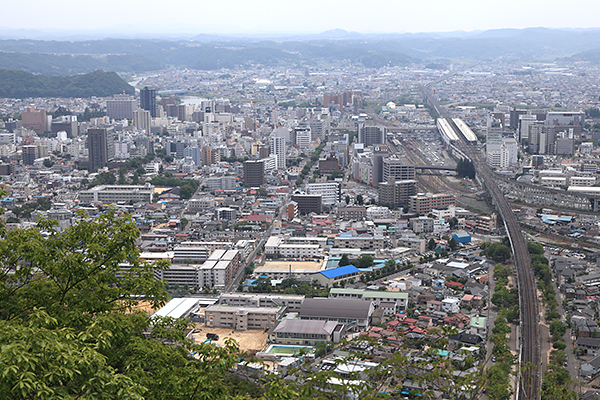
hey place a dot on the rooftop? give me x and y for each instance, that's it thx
(294, 265)
(307, 327)
(340, 271)
(478, 322)
(321, 307)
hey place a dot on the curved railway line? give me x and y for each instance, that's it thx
(529, 382)
(528, 301)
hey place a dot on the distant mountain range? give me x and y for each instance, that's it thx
(371, 50)
(20, 84)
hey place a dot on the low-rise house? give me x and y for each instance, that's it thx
(465, 338)
(455, 285)
(434, 305)
(591, 368)
(451, 305)
(467, 300)
(390, 308)
(456, 320)
(591, 346)
(586, 327)
(478, 326)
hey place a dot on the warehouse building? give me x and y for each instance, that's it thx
(335, 275)
(354, 313)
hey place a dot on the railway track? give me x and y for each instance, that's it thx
(530, 379)
(529, 382)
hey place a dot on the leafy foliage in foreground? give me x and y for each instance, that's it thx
(69, 329)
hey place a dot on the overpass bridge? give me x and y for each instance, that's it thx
(546, 196)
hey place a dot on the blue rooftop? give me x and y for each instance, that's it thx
(341, 271)
(551, 217)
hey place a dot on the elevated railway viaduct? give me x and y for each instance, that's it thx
(529, 379)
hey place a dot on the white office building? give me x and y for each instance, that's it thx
(331, 192)
(303, 139)
(222, 183)
(270, 162)
(117, 193)
(142, 120)
(525, 121)
(374, 213)
(278, 149)
(276, 247)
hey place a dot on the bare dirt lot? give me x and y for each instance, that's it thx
(250, 341)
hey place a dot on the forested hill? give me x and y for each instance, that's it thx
(20, 84)
(592, 56)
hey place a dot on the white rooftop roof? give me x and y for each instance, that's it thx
(455, 264)
(177, 307)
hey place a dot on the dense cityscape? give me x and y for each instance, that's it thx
(352, 229)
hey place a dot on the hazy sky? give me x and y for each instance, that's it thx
(304, 16)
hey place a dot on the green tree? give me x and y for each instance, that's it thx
(43, 203)
(89, 114)
(262, 192)
(184, 222)
(431, 244)
(593, 112)
(103, 178)
(452, 243)
(360, 200)
(365, 261)
(122, 180)
(453, 222)
(559, 345)
(65, 298)
(465, 169)
(347, 199)
(497, 251)
(535, 248)
(344, 260)
(557, 330)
